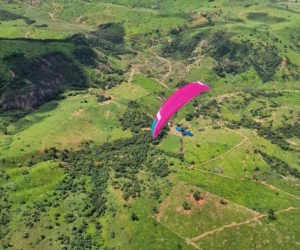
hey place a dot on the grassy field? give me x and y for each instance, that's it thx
(208, 144)
(204, 215)
(64, 125)
(34, 186)
(260, 199)
(172, 143)
(276, 234)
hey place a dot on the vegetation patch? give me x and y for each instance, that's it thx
(39, 79)
(7, 16)
(264, 17)
(278, 165)
(134, 118)
(172, 144)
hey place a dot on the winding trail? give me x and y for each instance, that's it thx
(133, 69)
(233, 148)
(78, 19)
(170, 67)
(189, 67)
(160, 58)
(279, 190)
(107, 11)
(52, 15)
(234, 224)
(208, 172)
(191, 241)
(225, 176)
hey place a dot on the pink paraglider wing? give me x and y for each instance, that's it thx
(175, 102)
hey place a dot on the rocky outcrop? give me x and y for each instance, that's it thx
(34, 2)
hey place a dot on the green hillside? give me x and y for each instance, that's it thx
(80, 82)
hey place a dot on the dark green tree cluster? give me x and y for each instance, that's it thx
(197, 195)
(113, 32)
(125, 156)
(180, 47)
(102, 43)
(109, 79)
(232, 57)
(186, 205)
(231, 67)
(271, 214)
(275, 137)
(103, 98)
(86, 56)
(34, 69)
(265, 61)
(260, 111)
(181, 83)
(259, 93)
(278, 165)
(41, 81)
(211, 109)
(134, 118)
(290, 130)
(178, 30)
(7, 16)
(5, 211)
(33, 212)
(247, 122)
(159, 166)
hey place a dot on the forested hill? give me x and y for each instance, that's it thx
(43, 68)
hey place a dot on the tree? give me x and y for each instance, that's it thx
(134, 217)
(196, 195)
(112, 235)
(271, 214)
(155, 210)
(186, 206)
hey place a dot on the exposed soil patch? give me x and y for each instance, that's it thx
(78, 113)
(173, 131)
(291, 142)
(52, 16)
(283, 63)
(259, 121)
(78, 19)
(136, 89)
(181, 210)
(107, 114)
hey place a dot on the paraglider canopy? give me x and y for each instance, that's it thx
(175, 102)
